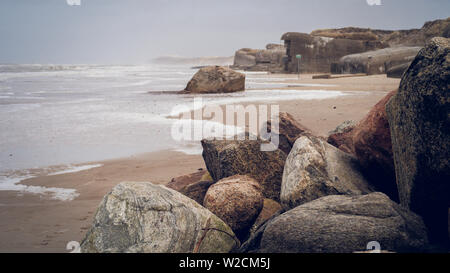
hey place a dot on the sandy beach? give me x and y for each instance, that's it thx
(35, 223)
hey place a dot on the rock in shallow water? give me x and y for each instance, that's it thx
(315, 169)
(341, 224)
(142, 217)
(216, 79)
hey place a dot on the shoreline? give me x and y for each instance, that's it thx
(37, 223)
(34, 223)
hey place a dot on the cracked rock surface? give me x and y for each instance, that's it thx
(140, 217)
(341, 224)
(315, 169)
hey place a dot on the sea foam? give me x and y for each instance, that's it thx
(13, 183)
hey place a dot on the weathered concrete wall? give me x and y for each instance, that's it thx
(270, 59)
(318, 53)
(375, 62)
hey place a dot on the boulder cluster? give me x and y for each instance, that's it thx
(385, 179)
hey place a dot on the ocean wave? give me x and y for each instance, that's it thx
(17, 68)
(12, 183)
(75, 169)
(141, 83)
(190, 149)
(252, 96)
(201, 129)
(76, 101)
(17, 107)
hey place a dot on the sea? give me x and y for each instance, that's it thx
(71, 114)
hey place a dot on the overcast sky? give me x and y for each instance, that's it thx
(134, 31)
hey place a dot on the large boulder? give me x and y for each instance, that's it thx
(315, 169)
(147, 218)
(216, 79)
(225, 158)
(237, 200)
(419, 118)
(289, 130)
(372, 147)
(341, 224)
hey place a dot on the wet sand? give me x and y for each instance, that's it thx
(35, 223)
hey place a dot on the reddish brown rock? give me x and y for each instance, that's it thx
(289, 131)
(237, 200)
(342, 136)
(370, 142)
(373, 148)
(180, 182)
